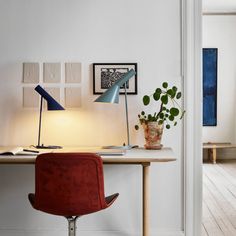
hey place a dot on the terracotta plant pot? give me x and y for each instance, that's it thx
(153, 134)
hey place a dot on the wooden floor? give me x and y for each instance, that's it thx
(219, 199)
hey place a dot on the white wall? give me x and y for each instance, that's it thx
(219, 32)
(218, 6)
(146, 32)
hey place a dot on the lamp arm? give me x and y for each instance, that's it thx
(127, 115)
(40, 119)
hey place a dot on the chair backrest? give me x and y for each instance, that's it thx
(69, 184)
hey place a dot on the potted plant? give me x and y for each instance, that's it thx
(167, 114)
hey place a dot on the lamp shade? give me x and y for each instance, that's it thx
(52, 104)
(111, 95)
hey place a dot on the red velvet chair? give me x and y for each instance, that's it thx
(70, 185)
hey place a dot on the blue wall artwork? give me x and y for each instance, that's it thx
(210, 86)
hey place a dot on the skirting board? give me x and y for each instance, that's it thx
(15, 232)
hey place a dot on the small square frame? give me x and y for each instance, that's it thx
(101, 69)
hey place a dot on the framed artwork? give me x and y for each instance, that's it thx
(106, 74)
(210, 86)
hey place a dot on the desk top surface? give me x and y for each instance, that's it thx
(133, 156)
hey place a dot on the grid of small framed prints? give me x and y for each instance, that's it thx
(61, 80)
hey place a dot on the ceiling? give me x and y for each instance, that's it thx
(219, 5)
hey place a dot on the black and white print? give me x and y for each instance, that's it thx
(110, 75)
(105, 75)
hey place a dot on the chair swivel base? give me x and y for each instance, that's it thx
(72, 225)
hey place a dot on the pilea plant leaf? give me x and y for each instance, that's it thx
(170, 92)
(156, 96)
(164, 99)
(165, 85)
(182, 115)
(178, 96)
(146, 100)
(174, 111)
(174, 88)
(173, 94)
(171, 118)
(158, 90)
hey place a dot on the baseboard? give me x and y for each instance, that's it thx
(15, 232)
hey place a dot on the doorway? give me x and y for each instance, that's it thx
(219, 112)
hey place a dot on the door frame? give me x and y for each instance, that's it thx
(191, 21)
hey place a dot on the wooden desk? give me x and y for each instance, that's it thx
(137, 156)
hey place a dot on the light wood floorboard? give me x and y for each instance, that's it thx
(219, 199)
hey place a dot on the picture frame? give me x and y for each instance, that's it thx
(210, 64)
(106, 74)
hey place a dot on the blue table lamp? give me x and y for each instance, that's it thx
(111, 95)
(52, 105)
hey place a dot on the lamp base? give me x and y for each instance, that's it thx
(124, 147)
(48, 147)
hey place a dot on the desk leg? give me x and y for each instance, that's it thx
(146, 199)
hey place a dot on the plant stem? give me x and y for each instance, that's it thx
(173, 101)
(160, 110)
